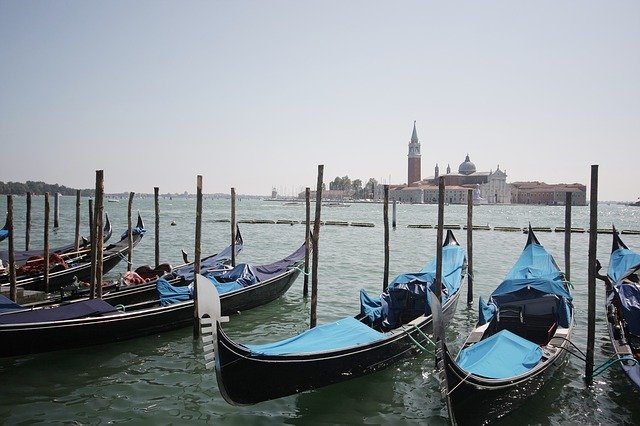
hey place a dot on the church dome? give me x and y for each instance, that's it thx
(467, 167)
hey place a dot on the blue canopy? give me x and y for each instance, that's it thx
(169, 294)
(622, 263)
(8, 305)
(83, 309)
(500, 356)
(4, 233)
(630, 306)
(343, 333)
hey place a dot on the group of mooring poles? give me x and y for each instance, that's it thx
(96, 232)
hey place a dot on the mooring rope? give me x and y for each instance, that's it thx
(124, 258)
(461, 382)
(415, 342)
(300, 270)
(582, 356)
(611, 361)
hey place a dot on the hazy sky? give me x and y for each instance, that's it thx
(256, 94)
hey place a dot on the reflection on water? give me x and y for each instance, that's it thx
(161, 379)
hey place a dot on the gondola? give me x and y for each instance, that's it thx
(622, 304)
(96, 321)
(378, 336)
(521, 338)
(67, 250)
(4, 232)
(67, 268)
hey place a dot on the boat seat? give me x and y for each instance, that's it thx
(511, 317)
(534, 319)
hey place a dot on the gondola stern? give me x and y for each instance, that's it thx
(450, 239)
(531, 239)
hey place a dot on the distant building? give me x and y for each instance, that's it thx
(549, 194)
(414, 159)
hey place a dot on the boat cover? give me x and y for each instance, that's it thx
(169, 294)
(406, 295)
(83, 309)
(534, 274)
(242, 275)
(343, 333)
(134, 231)
(8, 305)
(622, 263)
(630, 303)
(500, 356)
(4, 233)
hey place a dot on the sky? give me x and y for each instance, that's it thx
(255, 95)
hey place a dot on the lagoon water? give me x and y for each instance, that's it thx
(162, 380)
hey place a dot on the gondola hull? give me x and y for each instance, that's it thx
(145, 319)
(246, 378)
(476, 400)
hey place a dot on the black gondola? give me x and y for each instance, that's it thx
(79, 266)
(333, 352)
(22, 256)
(90, 322)
(520, 340)
(4, 232)
(622, 307)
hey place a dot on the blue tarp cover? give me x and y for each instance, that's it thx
(74, 310)
(8, 305)
(216, 261)
(630, 301)
(622, 263)
(344, 333)
(169, 294)
(500, 356)
(4, 233)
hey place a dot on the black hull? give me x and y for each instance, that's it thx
(56, 335)
(34, 338)
(244, 378)
(476, 401)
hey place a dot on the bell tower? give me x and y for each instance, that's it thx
(414, 159)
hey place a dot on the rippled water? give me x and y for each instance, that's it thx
(161, 379)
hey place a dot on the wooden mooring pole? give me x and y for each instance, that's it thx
(13, 288)
(130, 248)
(27, 236)
(393, 223)
(99, 213)
(469, 247)
(314, 241)
(233, 227)
(567, 237)
(307, 235)
(437, 285)
(385, 216)
(196, 261)
(593, 244)
(56, 210)
(46, 242)
(156, 203)
(76, 239)
(92, 241)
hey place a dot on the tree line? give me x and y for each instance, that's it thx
(345, 184)
(39, 188)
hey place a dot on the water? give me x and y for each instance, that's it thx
(161, 379)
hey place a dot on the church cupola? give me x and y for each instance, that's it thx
(414, 161)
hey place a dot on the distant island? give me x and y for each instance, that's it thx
(39, 188)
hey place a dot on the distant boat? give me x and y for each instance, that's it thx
(113, 200)
(637, 203)
(337, 204)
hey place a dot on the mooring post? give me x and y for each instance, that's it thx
(437, 287)
(99, 230)
(567, 236)
(196, 261)
(593, 244)
(314, 239)
(130, 255)
(470, 247)
(393, 223)
(92, 241)
(46, 242)
(56, 210)
(76, 239)
(233, 227)
(13, 288)
(307, 234)
(385, 216)
(156, 203)
(27, 236)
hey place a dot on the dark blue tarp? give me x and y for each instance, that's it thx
(216, 261)
(502, 355)
(343, 333)
(4, 233)
(243, 275)
(630, 303)
(83, 309)
(8, 305)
